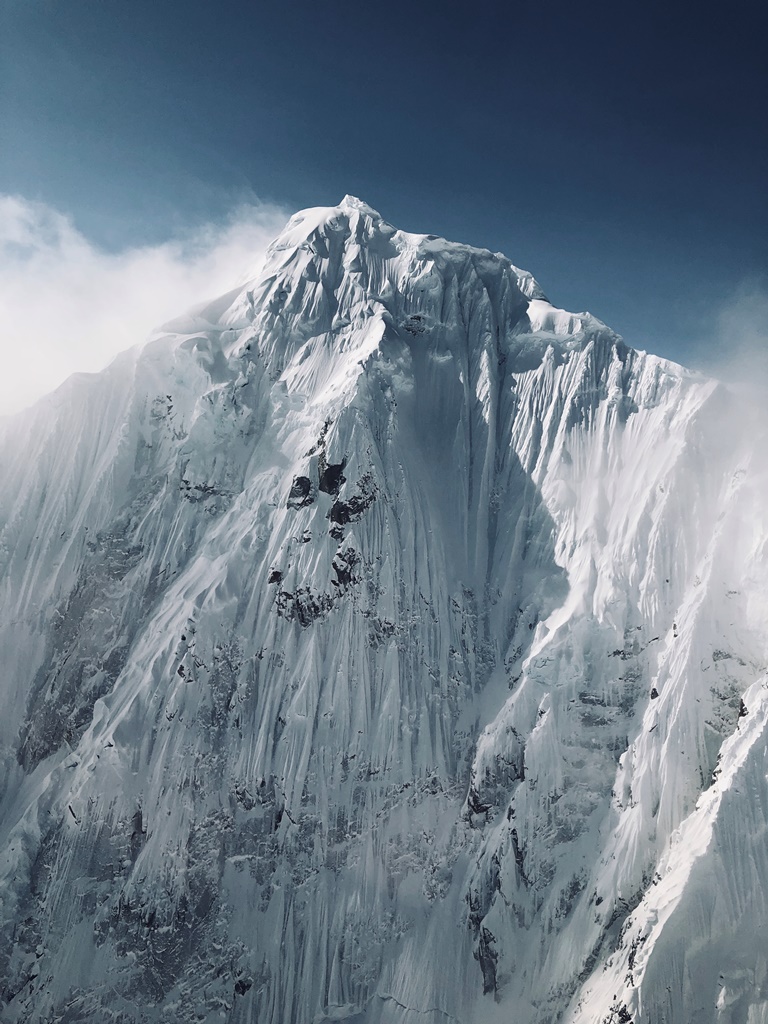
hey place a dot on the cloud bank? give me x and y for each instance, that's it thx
(67, 306)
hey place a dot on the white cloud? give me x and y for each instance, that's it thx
(67, 306)
(736, 349)
(743, 329)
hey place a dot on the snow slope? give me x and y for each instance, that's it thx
(384, 644)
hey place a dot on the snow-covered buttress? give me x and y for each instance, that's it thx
(381, 643)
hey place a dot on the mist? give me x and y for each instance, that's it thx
(68, 306)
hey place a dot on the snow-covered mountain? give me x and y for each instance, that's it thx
(384, 644)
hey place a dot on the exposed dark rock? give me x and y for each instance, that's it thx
(319, 445)
(487, 956)
(301, 492)
(332, 478)
(619, 1014)
(304, 605)
(415, 324)
(344, 512)
(138, 835)
(475, 804)
(380, 631)
(344, 563)
(197, 492)
(519, 855)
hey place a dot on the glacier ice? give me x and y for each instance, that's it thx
(383, 644)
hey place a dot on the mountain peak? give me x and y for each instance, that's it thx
(353, 203)
(347, 276)
(314, 221)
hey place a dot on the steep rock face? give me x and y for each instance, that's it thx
(371, 639)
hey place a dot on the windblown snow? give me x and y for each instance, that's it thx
(381, 643)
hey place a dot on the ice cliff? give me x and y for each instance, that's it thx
(381, 643)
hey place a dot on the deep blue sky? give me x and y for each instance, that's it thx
(616, 150)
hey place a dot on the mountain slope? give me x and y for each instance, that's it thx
(371, 638)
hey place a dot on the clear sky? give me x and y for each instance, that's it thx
(619, 151)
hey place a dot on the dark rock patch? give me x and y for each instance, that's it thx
(415, 324)
(344, 512)
(344, 564)
(304, 605)
(301, 492)
(332, 478)
(487, 956)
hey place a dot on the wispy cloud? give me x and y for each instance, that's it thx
(736, 346)
(67, 305)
